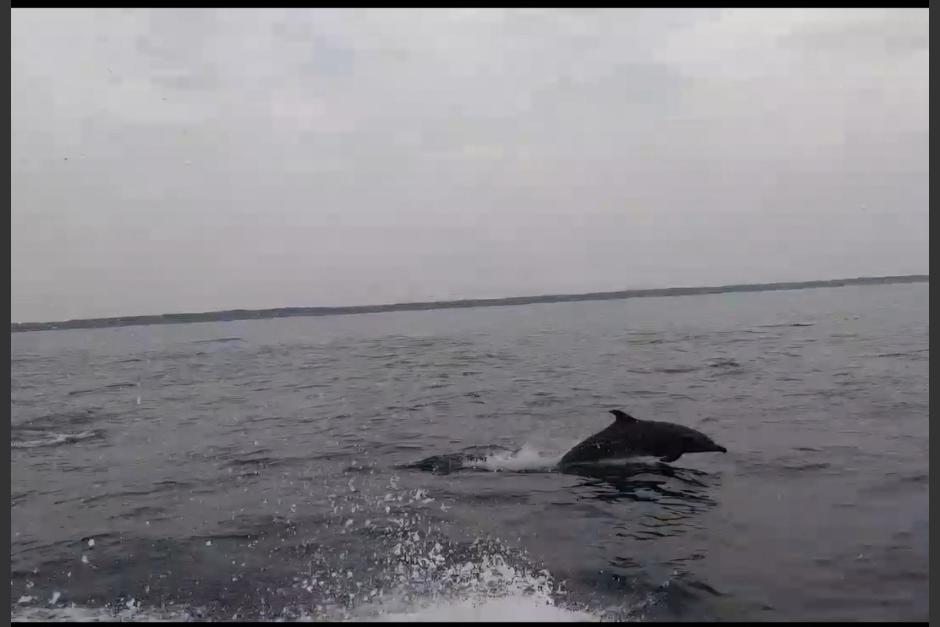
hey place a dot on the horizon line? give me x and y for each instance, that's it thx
(227, 315)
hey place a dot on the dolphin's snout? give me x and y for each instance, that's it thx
(721, 448)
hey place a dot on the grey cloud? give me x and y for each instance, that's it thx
(870, 33)
(221, 159)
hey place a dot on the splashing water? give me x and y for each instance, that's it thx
(422, 575)
(488, 586)
(489, 458)
(415, 574)
(525, 459)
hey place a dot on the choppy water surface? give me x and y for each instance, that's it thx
(255, 469)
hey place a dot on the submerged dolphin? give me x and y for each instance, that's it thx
(629, 437)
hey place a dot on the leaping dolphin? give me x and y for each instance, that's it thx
(630, 437)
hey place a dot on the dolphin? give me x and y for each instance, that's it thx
(630, 437)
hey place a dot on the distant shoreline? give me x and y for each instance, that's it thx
(292, 312)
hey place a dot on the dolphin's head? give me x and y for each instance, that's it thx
(692, 441)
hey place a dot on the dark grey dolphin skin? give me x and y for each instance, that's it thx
(629, 437)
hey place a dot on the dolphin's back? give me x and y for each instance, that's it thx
(607, 443)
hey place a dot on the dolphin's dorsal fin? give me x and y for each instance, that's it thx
(622, 417)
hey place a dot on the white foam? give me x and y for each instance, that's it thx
(526, 458)
(510, 609)
(516, 608)
(488, 587)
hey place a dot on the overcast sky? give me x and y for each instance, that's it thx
(194, 160)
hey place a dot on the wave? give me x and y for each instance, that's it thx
(723, 362)
(677, 369)
(77, 614)
(418, 575)
(914, 354)
(416, 572)
(110, 386)
(220, 340)
(54, 439)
